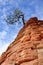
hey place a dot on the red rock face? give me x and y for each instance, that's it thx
(27, 49)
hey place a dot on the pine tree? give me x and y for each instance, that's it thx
(11, 19)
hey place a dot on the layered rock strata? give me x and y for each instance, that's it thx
(27, 49)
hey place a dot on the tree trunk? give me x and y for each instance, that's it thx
(23, 20)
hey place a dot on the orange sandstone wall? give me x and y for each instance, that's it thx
(27, 49)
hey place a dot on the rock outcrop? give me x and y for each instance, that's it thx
(27, 49)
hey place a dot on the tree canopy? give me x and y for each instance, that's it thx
(17, 14)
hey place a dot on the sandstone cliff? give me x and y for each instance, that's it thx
(27, 49)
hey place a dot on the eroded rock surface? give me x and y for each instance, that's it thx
(27, 49)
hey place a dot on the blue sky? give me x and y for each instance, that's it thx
(30, 8)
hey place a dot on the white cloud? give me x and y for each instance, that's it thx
(3, 46)
(3, 2)
(3, 16)
(3, 43)
(3, 34)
